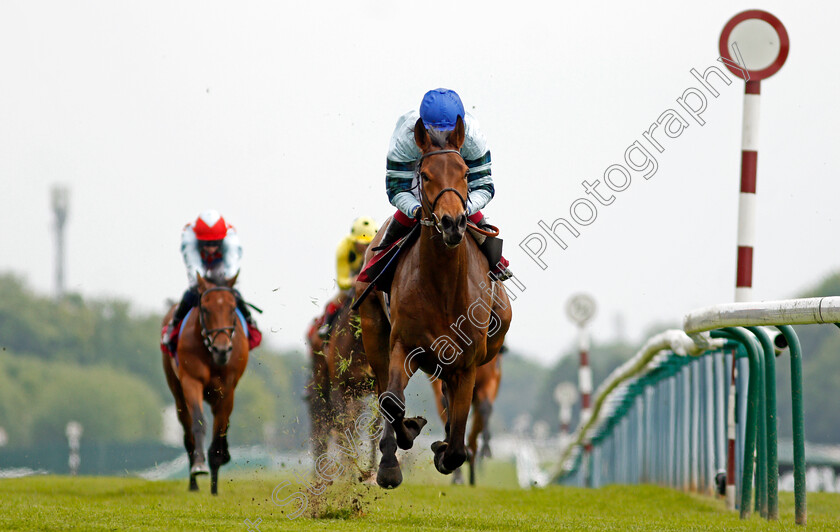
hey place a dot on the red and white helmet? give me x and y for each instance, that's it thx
(210, 226)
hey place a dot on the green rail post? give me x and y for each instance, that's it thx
(798, 423)
(772, 423)
(761, 443)
(753, 390)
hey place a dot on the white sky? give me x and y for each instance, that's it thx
(279, 114)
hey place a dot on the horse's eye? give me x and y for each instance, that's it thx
(424, 176)
(466, 174)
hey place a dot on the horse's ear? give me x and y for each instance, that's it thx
(421, 136)
(232, 281)
(202, 284)
(458, 135)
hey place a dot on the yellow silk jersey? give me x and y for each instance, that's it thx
(348, 263)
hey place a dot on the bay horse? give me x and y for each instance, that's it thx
(487, 380)
(318, 392)
(342, 380)
(446, 316)
(351, 378)
(211, 357)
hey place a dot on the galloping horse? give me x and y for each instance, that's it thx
(318, 393)
(351, 379)
(447, 317)
(342, 379)
(211, 357)
(487, 380)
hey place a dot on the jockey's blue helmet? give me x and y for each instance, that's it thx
(440, 109)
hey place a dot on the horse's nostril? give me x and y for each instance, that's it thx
(462, 222)
(446, 221)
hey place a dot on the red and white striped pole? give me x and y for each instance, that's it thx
(584, 376)
(765, 45)
(581, 309)
(746, 203)
(746, 245)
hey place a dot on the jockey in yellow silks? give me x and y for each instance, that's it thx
(349, 258)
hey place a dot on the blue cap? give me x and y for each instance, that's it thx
(440, 109)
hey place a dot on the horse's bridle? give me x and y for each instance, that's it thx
(210, 336)
(434, 221)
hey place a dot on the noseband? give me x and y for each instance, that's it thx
(434, 221)
(210, 336)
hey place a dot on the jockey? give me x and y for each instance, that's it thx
(439, 110)
(210, 247)
(349, 258)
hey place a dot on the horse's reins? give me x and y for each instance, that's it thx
(210, 335)
(434, 221)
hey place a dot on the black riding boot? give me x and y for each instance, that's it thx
(393, 232)
(188, 301)
(492, 249)
(243, 308)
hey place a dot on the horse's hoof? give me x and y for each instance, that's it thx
(439, 464)
(411, 429)
(485, 452)
(439, 448)
(414, 425)
(439, 445)
(389, 477)
(193, 486)
(200, 469)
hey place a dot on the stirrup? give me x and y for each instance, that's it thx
(323, 331)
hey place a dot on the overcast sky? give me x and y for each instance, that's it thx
(278, 114)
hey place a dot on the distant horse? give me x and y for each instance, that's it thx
(342, 379)
(487, 380)
(318, 393)
(447, 317)
(211, 357)
(351, 379)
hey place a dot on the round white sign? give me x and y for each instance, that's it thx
(581, 308)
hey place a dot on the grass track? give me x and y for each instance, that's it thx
(108, 503)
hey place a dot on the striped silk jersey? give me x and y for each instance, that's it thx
(403, 155)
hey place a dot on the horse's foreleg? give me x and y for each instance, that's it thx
(193, 396)
(451, 454)
(183, 413)
(388, 475)
(480, 419)
(485, 408)
(219, 454)
(392, 402)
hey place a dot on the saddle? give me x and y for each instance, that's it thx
(380, 271)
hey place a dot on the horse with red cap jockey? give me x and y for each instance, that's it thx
(211, 248)
(205, 359)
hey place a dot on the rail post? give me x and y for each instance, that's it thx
(798, 411)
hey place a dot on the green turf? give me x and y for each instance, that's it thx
(107, 503)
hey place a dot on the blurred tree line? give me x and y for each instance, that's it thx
(98, 362)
